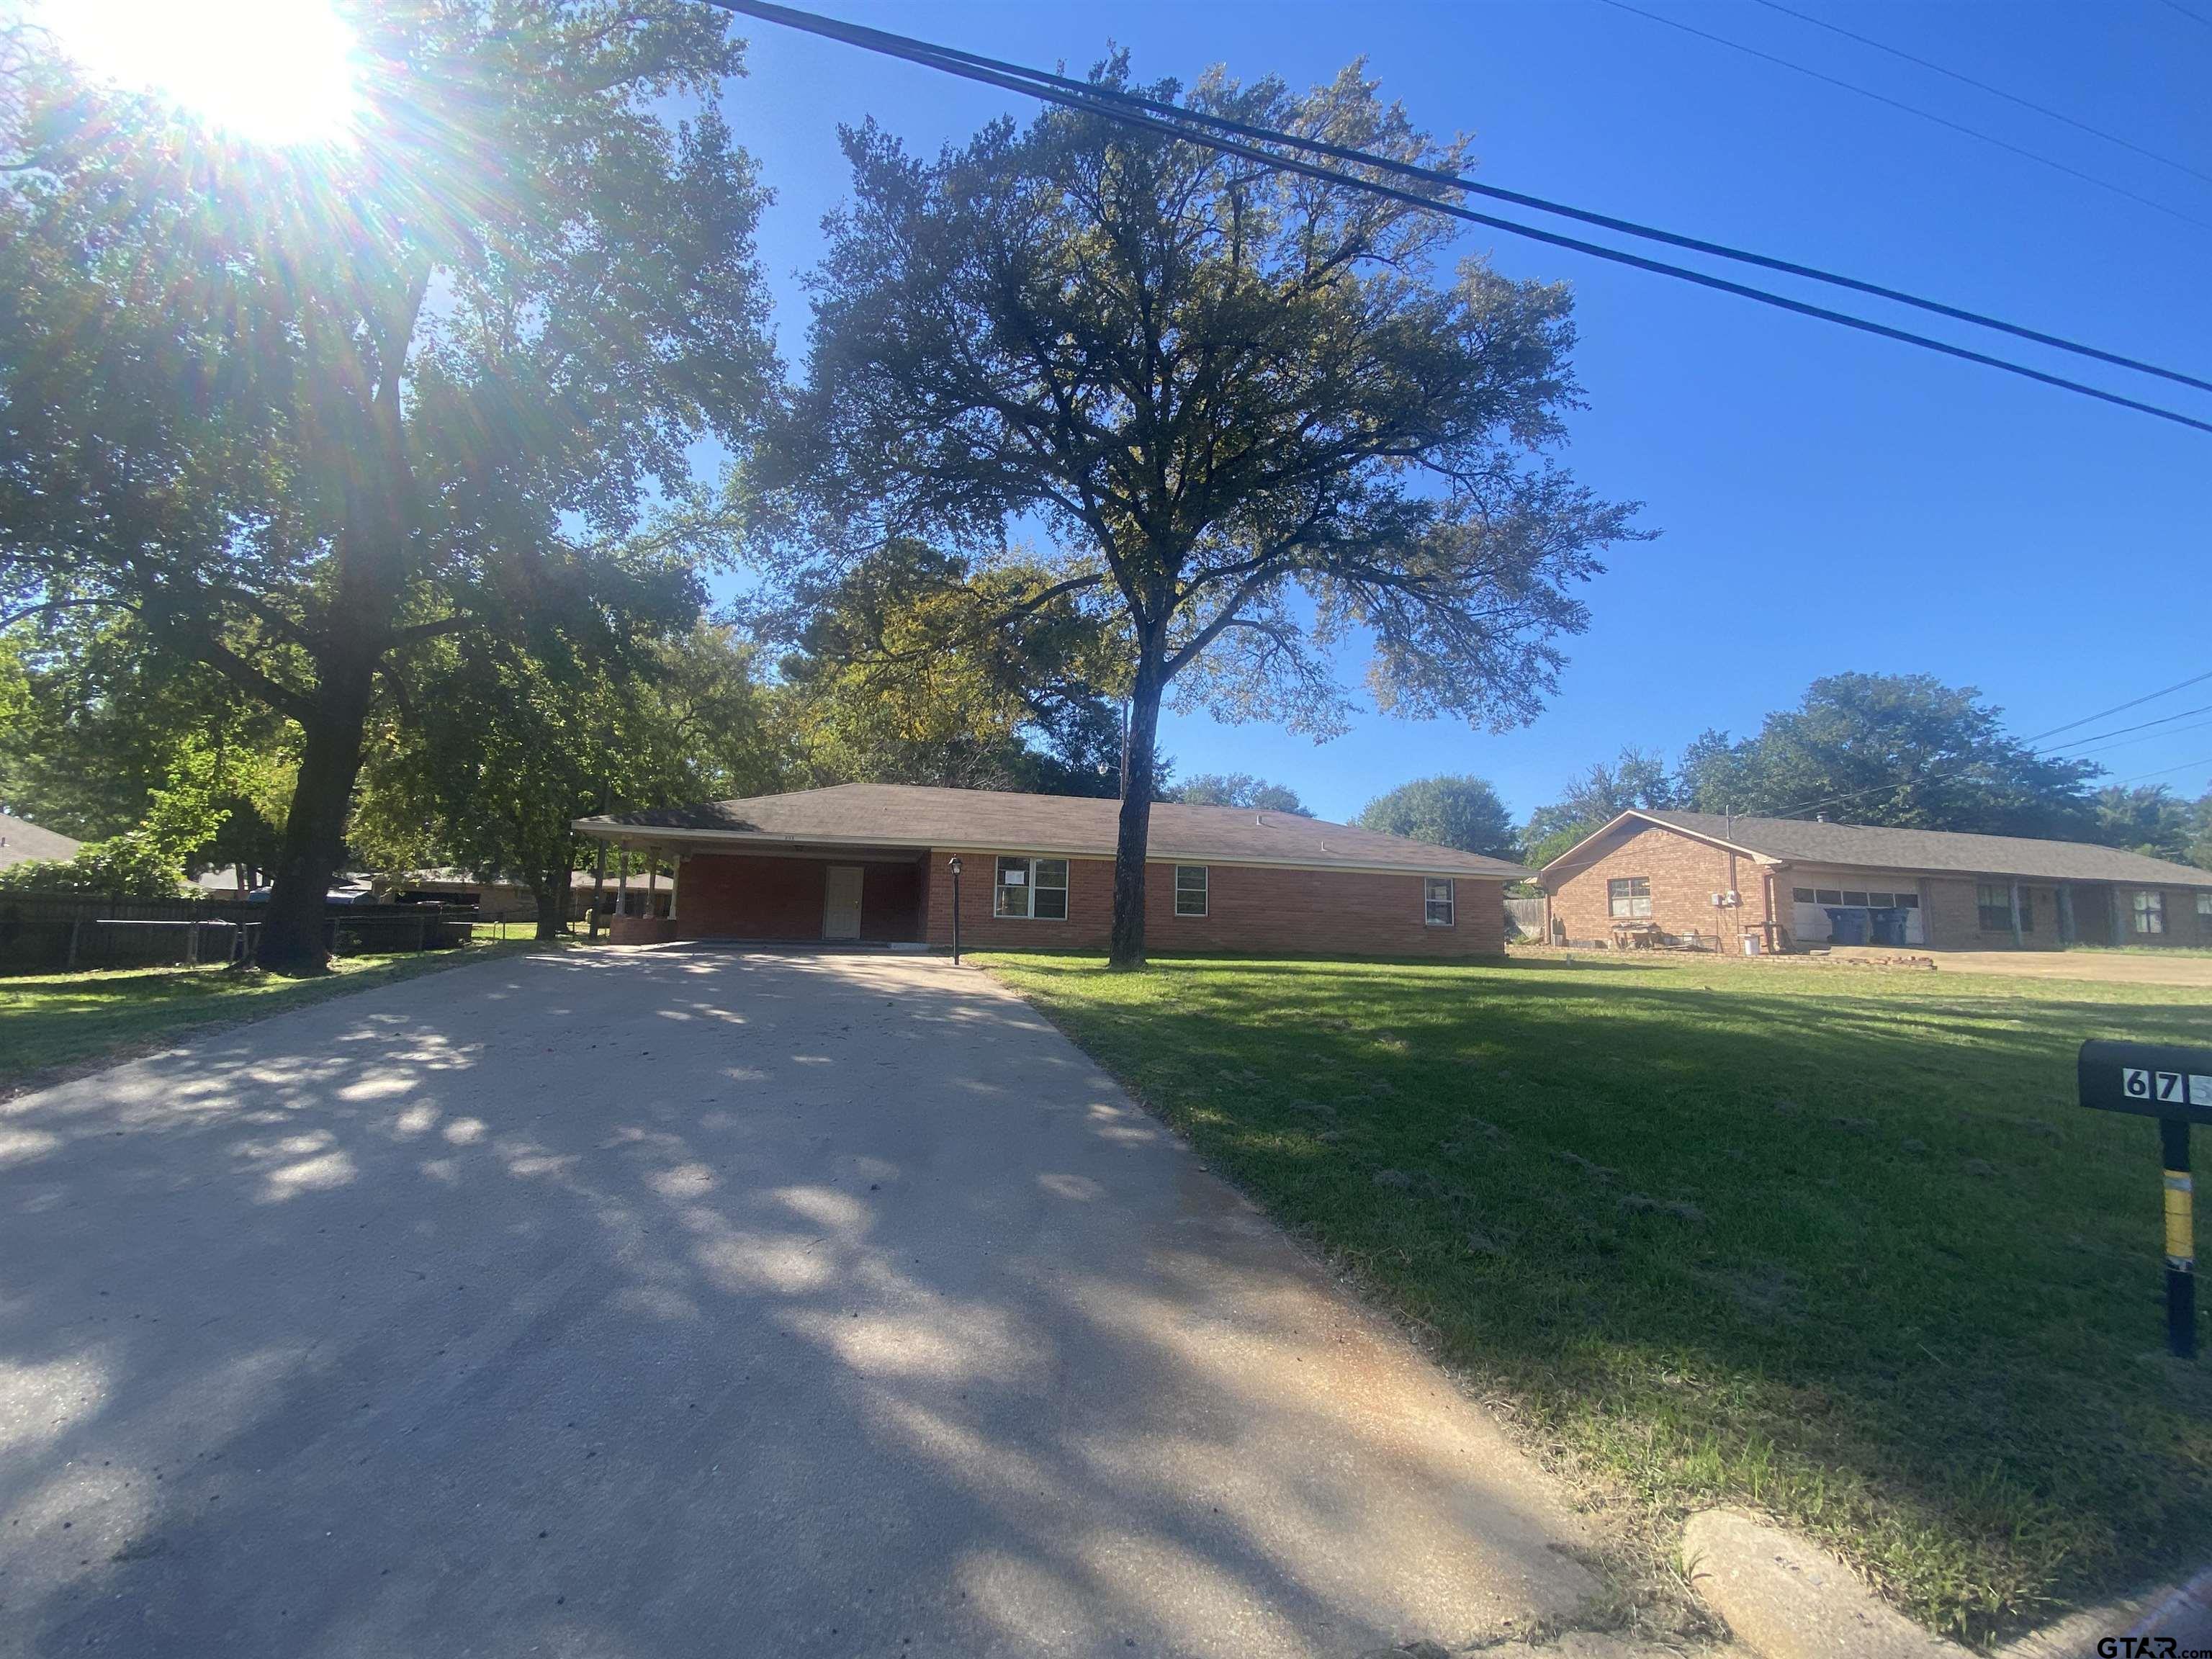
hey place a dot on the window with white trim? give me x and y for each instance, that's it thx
(1190, 890)
(1033, 890)
(2150, 912)
(1628, 897)
(1436, 907)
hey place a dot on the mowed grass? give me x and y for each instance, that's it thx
(53, 1024)
(1835, 1244)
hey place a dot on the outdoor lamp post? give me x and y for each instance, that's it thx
(953, 865)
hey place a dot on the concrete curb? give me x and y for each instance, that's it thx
(1783, 1599)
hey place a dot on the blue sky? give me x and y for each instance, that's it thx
(1828, 502)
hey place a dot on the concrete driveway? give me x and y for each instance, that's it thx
(662, 1304)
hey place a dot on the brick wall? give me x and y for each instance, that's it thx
(1248, 909)
(1685, 873)
(755, 896)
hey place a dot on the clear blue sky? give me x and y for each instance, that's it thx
(1828, 502)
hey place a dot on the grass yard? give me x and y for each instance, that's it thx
(50, 1023)
(1835, 1244)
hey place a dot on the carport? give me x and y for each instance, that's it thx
(794, 895)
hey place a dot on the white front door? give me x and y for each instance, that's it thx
(840, 902)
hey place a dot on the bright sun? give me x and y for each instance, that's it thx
(274, 71)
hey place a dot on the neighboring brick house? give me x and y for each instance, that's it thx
(1787, 883)
(873, 862)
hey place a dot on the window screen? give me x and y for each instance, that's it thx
(2149, 913)
(1628, 896)
(1436, 901)
(1190, 890)
(1036, 888)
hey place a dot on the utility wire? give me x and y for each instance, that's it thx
(2129, 743)
(2119, 730)
(2197, 18)
(930, 57)
(903, 46)
(1983, 85)
(2163, 771)
(2123, 707)
(1912, 109)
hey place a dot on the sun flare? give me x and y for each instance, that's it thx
(273, 71)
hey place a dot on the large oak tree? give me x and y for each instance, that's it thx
(1256, 418)
(303, 414)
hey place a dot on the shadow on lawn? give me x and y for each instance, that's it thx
(1847, 1249)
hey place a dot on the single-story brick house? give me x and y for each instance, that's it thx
(1784, 884)
(871, 861)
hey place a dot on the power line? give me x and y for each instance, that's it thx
(2120, 730)
(907, 46)
(2123, 707)
(1983, 85)
(2200, 21)
(2202, 760)
(1030, 84)
(1912, 109)
(2129, 743)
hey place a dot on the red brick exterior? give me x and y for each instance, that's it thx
(1248, 908)
(752, 896)
(1685, 873)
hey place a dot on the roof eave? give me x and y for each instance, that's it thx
(608, 829)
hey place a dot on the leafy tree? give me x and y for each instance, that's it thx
(1239, 789)
(123, 867)
(903, 671)
(101, 724)
(2155, 820)
(1637, 778)
(504, 751)
(1896, 750)
(1254, 422)
(1447, 812)
(304, 415)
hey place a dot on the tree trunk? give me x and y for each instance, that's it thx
(294, 935)
(552, 897)
(371, 575)
(1127, 952)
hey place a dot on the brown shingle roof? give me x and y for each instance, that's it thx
(909, 815)
(1795, 841)
(21, 840)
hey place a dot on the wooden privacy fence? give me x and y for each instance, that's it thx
(48, 933)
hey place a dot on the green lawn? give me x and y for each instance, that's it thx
(52, 1021)
(1837, 1245)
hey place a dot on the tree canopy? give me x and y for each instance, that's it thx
(1255, 422)
(1458, 812)
(1902, 750)
(903, 671)
(303, 415)
(506, 751)
(1637, 778)
(1239, 789)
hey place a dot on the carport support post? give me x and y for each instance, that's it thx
(598, 888)
(622, 881)
(953, 863)
(2180, 1239)
(2013, 891)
